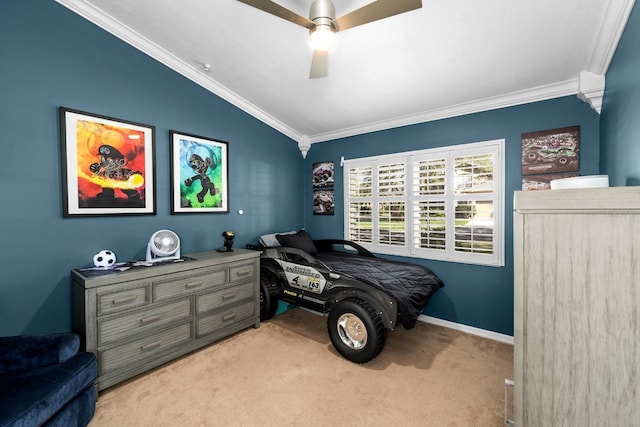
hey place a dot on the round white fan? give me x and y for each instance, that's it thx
(163, 245)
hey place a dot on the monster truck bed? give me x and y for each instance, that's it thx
(362, 295)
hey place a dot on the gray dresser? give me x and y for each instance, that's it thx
(138, 319)
(577, 307)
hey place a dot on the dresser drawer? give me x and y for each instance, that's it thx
(124, 326)
(143, 348)
(217, 299)
(175, 285)
(224, 318)
(137, 319)
(134, 296)
(242, 272)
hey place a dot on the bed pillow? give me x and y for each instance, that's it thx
(269, 240)
(299, 240)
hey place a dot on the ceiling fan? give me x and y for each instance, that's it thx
(323, 25)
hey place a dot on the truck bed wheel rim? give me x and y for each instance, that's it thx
(352, 331)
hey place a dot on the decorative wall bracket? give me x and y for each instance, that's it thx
(591, 89)
(304, 145)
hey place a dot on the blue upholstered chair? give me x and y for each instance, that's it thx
(44, 380)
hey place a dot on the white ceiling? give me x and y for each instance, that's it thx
(450, 57)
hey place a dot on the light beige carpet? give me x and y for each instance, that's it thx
(287, 373)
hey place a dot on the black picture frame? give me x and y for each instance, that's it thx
(108, 165)
(199, 174)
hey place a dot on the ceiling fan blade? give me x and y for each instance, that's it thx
(374, 11)
(279, 11)
(319, 64)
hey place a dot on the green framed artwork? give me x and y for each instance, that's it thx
(199, 174)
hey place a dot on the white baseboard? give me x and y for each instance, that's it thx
(507, 339)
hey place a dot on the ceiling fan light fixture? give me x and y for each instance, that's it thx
(322, 37)
(323, 24)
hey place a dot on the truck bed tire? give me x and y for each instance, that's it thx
(356, 330)
(268, 295)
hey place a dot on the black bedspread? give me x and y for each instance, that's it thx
(410, 284)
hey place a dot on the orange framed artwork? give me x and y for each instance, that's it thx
(107, 165)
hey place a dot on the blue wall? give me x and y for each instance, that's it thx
(51, 57)
(474, 295)
(620, 122)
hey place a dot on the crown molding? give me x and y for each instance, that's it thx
(606, 38)
(540, 93)
(126, 34)
(605, 41)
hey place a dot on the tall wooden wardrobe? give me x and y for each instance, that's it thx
(577, 307)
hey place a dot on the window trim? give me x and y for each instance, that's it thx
(496, 147)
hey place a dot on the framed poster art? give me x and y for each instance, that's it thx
(107, 165)
(323, 201)
(199, 174)
(323, 192)
(323, 174)
(551, 151)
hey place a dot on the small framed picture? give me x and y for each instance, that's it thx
(323, 192)
(551, 151)
(323, 202)
(107, 165)
(323, 175)
(199, 174)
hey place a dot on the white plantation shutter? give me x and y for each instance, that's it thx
(474, 203)
(391, 204)
(360, 182)
(360, 196)
(429, 213)
(444, 203)
(360, 221)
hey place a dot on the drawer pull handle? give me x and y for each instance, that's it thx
(123, 299)
(193, 284)
(151, 345)
(228, 296)
(229, 317)
(151, 319)
(243, 273)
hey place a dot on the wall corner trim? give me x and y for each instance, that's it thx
(591, 89)
(304, 145)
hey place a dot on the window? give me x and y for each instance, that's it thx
(443, 203)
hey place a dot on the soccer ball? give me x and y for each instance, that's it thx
(104, 259)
